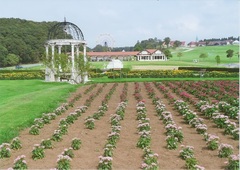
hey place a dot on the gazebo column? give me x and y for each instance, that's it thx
(85, 62)
(78, 77)
(73, 63)
(52, 72)
(59, 67)
(47, 70)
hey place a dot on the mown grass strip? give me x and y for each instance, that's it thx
(21, 101)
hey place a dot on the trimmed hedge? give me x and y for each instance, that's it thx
(169, 74)
(21, 74)
(209, 69)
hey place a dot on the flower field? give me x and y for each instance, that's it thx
(150, 125)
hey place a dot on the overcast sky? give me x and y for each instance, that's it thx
(128, 21)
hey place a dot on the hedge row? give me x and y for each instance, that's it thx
(209, 69)
(22, 75)
(38, 74)
(170, 74)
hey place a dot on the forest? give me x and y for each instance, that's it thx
(22, 41)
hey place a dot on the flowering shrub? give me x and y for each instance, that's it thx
(108, 150)
(63, 162)
(76, 143)
(89, 123)
(68, 152)
(39, 122)
(172, 142)
(63, 129)
(105, 163)
(20, 163)
(34, 130)
(174, 131)
(229, 127)
(57, 136)
(112, 138)
(186, 152)
(208, 110)
(47, 144)
(5, 151)
(115, 119)
(225, 150)
(149, 160)
(38, 152)
(196, 121)
(16, 144)
(144, 140)
(233, 162)
(191, 163)
(144, 126)
(201, 128)
(235, 134)
(212, 142)
(219, 120)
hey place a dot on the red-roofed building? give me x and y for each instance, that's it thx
(151, 55)
(145, 55)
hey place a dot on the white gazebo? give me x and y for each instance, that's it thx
(65, 34)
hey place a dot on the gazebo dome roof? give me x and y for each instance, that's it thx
(65, 30)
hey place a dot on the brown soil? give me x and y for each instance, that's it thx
(126, 155)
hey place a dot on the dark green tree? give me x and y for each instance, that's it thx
(11, 60)
(179, 54)
(3, 55)
(177, 44)
(218, 59)
(167, 53)
(167, 41)
(203, 56)
(230, 53)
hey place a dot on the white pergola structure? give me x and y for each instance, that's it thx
(56, 42)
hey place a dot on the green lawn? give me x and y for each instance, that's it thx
(189, 54)
(21, 101)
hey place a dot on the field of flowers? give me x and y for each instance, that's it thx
(151, 125)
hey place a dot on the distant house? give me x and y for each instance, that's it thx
(192, 44)
(109, 55)
(145, 55)
(151, 55)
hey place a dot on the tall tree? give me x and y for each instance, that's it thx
(167, 41)
(167, 53)
(179, 54)
(177, 44)
(218, 60)
(230, 53)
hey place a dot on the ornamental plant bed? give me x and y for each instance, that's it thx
(160, 100)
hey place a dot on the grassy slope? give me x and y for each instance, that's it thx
(187, 58)
(22, 101)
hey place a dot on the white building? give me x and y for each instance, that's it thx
(151, 55)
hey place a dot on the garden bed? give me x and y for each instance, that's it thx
(128, 152)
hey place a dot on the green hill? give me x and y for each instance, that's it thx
(23, 38)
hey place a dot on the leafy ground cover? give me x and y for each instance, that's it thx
(23, 100)
(165, 125)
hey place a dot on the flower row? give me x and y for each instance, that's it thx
(105, 161)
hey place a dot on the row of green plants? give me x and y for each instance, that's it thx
(167, 74)
(23, 75)
(105, 160)
(38, 74)
(150, 159)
